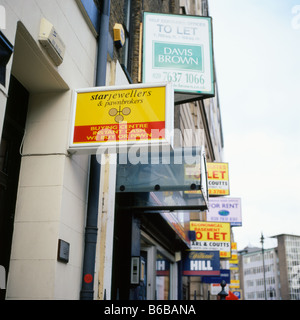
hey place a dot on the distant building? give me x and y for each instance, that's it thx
(289, 265)
(279, 278)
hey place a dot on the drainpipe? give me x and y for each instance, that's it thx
(91, 229)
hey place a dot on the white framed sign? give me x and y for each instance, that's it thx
(225, 209)
(122, 116)
(178, 49)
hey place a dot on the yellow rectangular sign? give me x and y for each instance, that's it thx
(128, 114)
(211, 236)
(218, 178)
(233, 264)
(234, 283)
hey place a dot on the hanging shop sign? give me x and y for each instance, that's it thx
(234, 283)
(178, 48)
(225, 209)
(211, 236)
(234, 252)
(234, 264)
(224, 275)
(201, 263)
(218, 179)
(122, 116)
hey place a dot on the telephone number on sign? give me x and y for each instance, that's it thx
(218, 191)
(191, 78)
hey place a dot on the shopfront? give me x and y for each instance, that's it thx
(150, 240)
(151, 228)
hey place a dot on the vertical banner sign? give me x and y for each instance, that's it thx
(122, 116)
(218, 179)
(225, 209)
(211, 236)
(178, 49)
(201, 263)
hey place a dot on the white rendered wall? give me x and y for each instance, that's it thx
(52, 194)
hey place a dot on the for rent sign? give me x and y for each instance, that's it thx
(225, 209)
(211, 236)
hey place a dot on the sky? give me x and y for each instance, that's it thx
(257, 59)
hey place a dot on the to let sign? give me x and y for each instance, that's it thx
(178, 49)
(212, 236)
(218, 178)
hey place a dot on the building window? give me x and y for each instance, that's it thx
(6, 50)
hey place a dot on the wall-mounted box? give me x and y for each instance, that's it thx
(119, 35)
(52, 42)
(63, 251)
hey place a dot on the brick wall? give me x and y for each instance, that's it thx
(117, 15)
(139, 6)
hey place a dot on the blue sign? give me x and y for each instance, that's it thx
(237, 293)
(224, 275)
(200, 263)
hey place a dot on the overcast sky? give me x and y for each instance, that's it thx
(257, 60)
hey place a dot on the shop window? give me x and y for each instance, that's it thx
(92, 9)
(6, 50)
(162, 277)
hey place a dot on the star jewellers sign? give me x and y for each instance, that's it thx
(178, 49)
(122, 116)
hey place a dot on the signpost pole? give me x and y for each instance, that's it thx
(263, 260)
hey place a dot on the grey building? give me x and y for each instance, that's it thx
(288, 252)
(276, 277)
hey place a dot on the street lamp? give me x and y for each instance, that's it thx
(263, 259)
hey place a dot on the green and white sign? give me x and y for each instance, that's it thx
(178, 56)
(178, 49)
